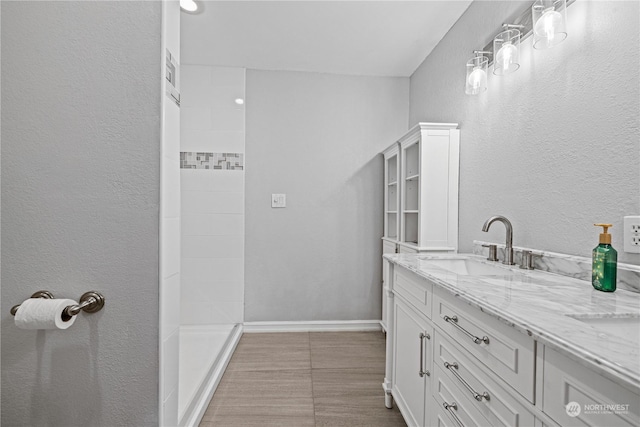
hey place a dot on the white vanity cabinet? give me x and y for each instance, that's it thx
(480, 371)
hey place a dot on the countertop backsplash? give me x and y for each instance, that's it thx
(566, 265)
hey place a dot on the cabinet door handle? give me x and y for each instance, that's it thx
(453, 406)
(422, 372)
(454, 321)
(453, 367)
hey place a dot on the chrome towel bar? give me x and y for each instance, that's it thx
(90, 302)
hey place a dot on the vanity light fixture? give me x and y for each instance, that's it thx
(546, 20)
(549, 23)
(188, 5)
(507, 48)
(477, 73)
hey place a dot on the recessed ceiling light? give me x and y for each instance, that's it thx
(189, 5)
(239, 101)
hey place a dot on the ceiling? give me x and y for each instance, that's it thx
(371, 38)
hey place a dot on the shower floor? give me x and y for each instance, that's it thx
(200, 346)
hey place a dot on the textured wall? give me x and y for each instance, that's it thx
(556, 146)
(80, 186)
(316, 137)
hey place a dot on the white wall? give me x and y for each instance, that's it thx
(0, 226)
(212, 200)
(81, 111)
(169, 225)
(555, 147)
(316, 137)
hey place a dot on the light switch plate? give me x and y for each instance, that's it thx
(278, 200)
(631, 234)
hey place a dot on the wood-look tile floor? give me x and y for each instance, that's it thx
(304, 379)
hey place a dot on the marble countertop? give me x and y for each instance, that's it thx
(563, 313)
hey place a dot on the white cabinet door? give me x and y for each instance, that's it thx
(412, 362)
(577, 396)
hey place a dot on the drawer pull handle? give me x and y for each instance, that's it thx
(422, 372)
(453, 406)
(454, 321)
(453, 367)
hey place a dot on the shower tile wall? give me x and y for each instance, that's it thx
(212, 188)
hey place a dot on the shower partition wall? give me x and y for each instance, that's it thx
(169, 221)
(212, 235)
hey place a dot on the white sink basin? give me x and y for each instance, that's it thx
(625, 326)
(467, 267)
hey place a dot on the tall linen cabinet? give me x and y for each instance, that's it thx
(421, 172)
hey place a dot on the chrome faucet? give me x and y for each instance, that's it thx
(508, 250)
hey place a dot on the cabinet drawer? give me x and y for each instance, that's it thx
(496, 403)
(506, 352)
(566, 381)
(447, 393)
(413, 288)
(439, 418)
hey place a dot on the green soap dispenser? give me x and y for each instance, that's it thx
(605, 262)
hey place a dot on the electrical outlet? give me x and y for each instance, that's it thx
(632, 234)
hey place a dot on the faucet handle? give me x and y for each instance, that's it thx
(526, 263)
(493, 252)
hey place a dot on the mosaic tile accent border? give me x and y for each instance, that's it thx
(214, 161)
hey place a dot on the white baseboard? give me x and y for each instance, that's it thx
(313, 326)
(195, 413)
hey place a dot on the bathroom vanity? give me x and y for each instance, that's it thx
(477, 343)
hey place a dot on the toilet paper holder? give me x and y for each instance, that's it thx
(90, 302)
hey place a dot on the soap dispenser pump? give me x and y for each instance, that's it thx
(604, 262)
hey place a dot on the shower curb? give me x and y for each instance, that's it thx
(196, 410)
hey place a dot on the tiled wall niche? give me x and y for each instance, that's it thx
(212, 186)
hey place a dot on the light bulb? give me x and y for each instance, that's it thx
(189, 5)
(239, 101)
(505, 56)
(547, 24)
(477, 79)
